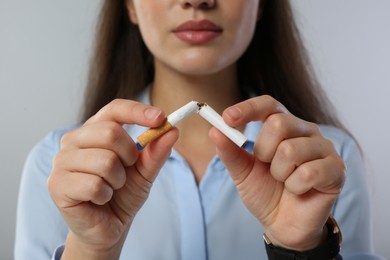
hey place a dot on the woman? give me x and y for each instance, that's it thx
(210, 199)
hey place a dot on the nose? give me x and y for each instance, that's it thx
(198, 4)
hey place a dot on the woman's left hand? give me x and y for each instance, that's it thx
(293, 178)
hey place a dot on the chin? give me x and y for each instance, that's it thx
(197, 61)
(203, 67)
(199, 71)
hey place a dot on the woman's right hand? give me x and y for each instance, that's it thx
(100, 180)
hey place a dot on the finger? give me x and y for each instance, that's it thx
(100, 162)
(125, 111)
(102, 135)
(324, 175)
(153, 157)
(254, 109)
(295, 151)
(237, 161)
(72, 188)
(279, 127)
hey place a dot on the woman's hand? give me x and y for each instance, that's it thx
(100, 180)
(293, 178)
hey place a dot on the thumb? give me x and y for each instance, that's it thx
(141, 176)
(153, 157)
(237, 160)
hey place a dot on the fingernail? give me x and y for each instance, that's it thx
(152, 113)
(234, 113)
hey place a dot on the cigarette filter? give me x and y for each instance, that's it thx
(172, 120)
(217, 121)
(153, 133)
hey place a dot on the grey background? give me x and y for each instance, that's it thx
(44, 52)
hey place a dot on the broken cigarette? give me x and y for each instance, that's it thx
(204, 111)
(217, 121)
(172, 120)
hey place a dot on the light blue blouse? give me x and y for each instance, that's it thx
(181, 220)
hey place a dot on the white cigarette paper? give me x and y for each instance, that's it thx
(177, 116)
(217, 121)
(183, 112)
(172, 120)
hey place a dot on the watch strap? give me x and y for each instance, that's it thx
(326, 251)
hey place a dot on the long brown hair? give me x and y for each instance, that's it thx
(275, 63)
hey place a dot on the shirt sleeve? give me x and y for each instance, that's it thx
(352, 210)
(39, 226)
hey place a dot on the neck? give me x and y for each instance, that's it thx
(172, 90)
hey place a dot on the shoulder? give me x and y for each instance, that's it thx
(54, 136)
(39, 163)
(51, 140)
(43, 152)
(343, 142)
(40, 228)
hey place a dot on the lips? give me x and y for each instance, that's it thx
(197, 31)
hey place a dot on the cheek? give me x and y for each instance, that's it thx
(150, 34)
(150, 25)
(243, 25)
(246, 21)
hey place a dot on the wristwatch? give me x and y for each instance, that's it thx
(326, 251)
